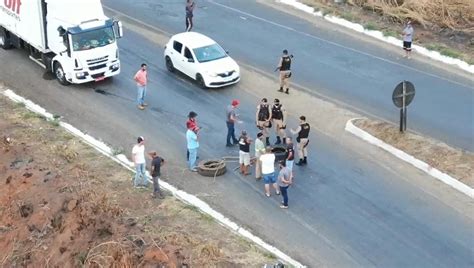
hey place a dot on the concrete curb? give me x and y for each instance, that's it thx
(456, 184)
(379, 35)
(181, 195)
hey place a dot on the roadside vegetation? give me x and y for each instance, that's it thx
(446, 26)
(62, 204)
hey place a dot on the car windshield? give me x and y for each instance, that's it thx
(92, 39)
(209, 53)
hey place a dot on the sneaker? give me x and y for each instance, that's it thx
(194, 170)
(267, 195)
(283, 206)
(277, 193)
(145, 104)
(141, 107)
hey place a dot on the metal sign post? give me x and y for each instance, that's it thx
(402, 96)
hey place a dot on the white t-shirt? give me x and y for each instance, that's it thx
(139, 152)
(268, 163)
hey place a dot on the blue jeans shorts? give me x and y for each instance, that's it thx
(269, 178)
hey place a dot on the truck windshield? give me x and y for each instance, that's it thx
(92, 39)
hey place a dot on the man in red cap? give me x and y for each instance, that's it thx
(230, 120)
(191, 124)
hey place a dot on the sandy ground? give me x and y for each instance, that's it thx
(455, 162)
(64, 204)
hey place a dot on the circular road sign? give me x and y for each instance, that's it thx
(398, 94)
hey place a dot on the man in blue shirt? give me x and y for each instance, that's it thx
(193, 145)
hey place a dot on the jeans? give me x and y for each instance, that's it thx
(156, 185)
(284, 194)
(192, 158)
(231, 133)
(140, 173)
(141, 95)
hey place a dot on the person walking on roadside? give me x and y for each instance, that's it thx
(302, 140)
(268, 171)
(259, 151)
(231, 118)
(189, 14)
(284, 181)
(141, 78)
(192, 139)
(290, 155)
(156, 163)
(190, 124)
(407, 38)
(244, 153)
(263, 118)
(284, 66)
(138, 158)
(278, 118)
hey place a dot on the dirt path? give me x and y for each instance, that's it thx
(64, 204)
(455, 162)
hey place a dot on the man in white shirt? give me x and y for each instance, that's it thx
(268, 171)
(138, 158)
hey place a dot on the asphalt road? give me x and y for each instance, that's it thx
(329, 61)
(352, 206)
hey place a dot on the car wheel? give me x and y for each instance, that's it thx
(60, 75)
(4, 41)
(200, 81)
(169, 64)
(212, 168)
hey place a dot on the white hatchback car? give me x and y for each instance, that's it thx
(202, 59)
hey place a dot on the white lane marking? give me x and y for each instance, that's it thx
(456, 184)
(181, 195)
(338, 45)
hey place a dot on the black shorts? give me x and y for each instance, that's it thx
(407, 45)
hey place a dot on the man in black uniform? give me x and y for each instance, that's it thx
(302, 140)
(284, 66)
(263, 118)
(278, 118)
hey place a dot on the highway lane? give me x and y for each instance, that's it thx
(348, 208)
(330, 61)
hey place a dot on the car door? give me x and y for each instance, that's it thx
(190, 65)
(176, 55)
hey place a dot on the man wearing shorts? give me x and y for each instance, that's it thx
(268, 171)
(407, 39)
(244, 153)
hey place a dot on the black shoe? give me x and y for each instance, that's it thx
(236, 142)
(287, 91)
(281, 89)
(229, 145)
(305, 161)
(284, 140)
(300, 163)
(278, 140)
(267, 141)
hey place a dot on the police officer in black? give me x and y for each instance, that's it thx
(302, 140)
(278, 118)
(284, 66)
(263, 118)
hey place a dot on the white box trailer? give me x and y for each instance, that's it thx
(72, 38)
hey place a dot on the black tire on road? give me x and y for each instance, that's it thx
(59, 74)
(200, 81)
(280, 152)
(169, 64)
(4, 40)
(212, 168)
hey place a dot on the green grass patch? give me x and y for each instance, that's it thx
(446, 51)
(388, 32)
(370, 26)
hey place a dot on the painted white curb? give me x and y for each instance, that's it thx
(181, 195)
(350, 127)
(379, 35)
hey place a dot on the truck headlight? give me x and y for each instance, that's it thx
(115, 66)
(81, 75)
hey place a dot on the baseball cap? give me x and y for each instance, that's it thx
(140, 139)
(235, 102)
(259, 134)
(276, 100)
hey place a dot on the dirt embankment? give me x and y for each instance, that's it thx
(455, 162)
(446, 26)
(62, 204)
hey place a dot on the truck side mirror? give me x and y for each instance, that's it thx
(118, 29)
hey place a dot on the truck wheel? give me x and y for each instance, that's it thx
(4, 40)
(60, 75)
(169, 64)
(212, 168)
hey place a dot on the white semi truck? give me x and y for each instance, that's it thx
(71, 38)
